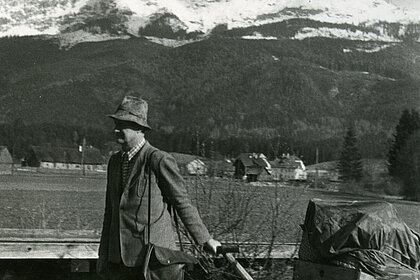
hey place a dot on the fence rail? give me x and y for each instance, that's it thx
(83, 244)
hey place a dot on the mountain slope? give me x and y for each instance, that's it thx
(236, 93)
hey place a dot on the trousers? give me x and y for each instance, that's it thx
(118, 271)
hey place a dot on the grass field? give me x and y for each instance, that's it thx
(232, 210)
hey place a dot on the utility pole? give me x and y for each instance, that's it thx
(83, 156)
(197, 143)
(316, 167)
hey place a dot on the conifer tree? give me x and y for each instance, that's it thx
(407, 125)
(350, 165)
(408, 161)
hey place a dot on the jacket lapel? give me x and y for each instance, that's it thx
(117, 169)
(138, 167)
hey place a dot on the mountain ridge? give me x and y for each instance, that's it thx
(78, 21)
(236, 93)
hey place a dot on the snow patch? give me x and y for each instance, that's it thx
(170, 42)
(27, 31)
(373, 49)
(35, 17)
(310, 32)
(258, 36)
(68, 40)
(204, 15)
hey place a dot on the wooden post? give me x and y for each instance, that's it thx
(13, 161)
(83, 156)
(197, 143)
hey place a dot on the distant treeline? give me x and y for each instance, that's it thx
(18, 137)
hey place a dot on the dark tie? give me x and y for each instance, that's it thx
(125, 167)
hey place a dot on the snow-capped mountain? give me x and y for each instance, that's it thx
(84, 20)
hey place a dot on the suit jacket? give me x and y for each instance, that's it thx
(124, 230)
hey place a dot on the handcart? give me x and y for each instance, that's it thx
(227, 251)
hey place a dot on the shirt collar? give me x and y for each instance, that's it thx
(131, 153)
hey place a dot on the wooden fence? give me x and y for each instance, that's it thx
(83, 244)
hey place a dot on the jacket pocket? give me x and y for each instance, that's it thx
(167, 256)
(141, 186)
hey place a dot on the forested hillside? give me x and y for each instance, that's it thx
(232, 95)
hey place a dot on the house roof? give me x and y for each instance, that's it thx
(287, 162)
(327, 165)
(67, 155)
(184, 159)
(254, 163)
(223, 165)
(252, 159)
(5, 156)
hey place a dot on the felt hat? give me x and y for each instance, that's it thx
(132, 109)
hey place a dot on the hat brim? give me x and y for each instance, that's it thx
(130, 118)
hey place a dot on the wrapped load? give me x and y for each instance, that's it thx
(364, 235)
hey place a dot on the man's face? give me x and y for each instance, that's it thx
(127, 134)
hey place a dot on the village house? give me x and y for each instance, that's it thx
(6, 161)
(324, 171)
(222, 168)
(289, 167)
(190, 164)
(65, 158)
(252, 167)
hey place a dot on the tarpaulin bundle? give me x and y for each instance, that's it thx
(366, 235)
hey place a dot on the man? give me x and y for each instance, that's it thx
(125, 225)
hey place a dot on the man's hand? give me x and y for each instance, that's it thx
(212, 245)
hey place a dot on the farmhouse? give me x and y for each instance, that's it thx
(190, 164)
(325, 171)
(289, 167)
(64, 158)
(6, 161)
(222, 168)
(252, 167)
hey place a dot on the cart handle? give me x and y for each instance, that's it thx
(227, 251)
(221, 250)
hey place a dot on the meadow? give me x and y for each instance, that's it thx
(232, 210)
